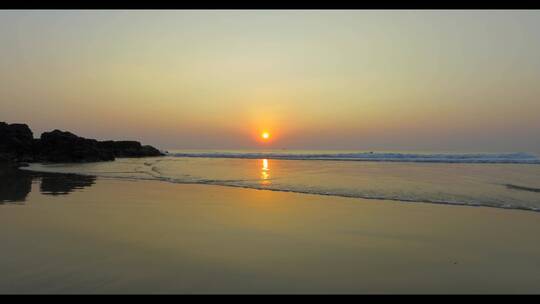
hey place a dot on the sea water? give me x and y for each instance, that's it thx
(503, 180)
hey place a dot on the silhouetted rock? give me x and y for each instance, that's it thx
(59, 146)
(16, 142)
(17, 145)
(129, 149)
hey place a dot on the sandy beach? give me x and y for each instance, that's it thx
(120, 236)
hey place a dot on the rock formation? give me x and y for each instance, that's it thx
(129, 148)
(17, 144)
(65, 147)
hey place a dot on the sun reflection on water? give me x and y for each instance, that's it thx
(265, 173)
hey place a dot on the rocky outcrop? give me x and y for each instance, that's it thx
(129, 149)
(17, 144)
(65, 147)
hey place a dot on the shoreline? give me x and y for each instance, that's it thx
(352, 196)
(120, 236)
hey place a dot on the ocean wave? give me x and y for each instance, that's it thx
(484, 186)
(523, 188)
(485, 158)
(403, 197)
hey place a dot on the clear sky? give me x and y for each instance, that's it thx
(370, 80)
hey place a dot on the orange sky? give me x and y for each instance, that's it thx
(366, 80)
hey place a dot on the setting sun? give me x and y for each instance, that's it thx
(265, 135)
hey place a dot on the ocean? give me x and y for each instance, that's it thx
(501, 180)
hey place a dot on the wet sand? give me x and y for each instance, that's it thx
(118, 236)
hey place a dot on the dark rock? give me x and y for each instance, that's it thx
(129, 149)
(151, 151)
(16, 142)
(17, 145)
(59, 146)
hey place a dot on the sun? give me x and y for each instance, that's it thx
(265, 135)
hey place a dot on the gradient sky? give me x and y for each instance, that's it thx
(370, 80)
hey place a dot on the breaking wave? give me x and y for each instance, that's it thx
(487, 158)
(512, 186)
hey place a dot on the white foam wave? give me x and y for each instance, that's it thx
(489, 158)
